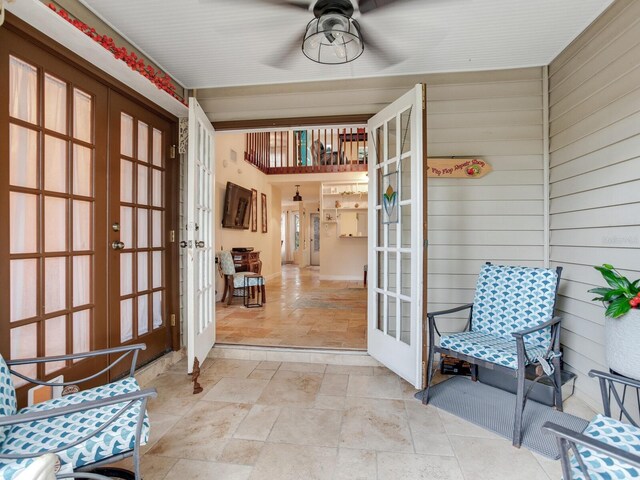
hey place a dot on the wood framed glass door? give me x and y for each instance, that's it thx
(138, 228)
(53, 200)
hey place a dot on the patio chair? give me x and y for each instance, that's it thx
(236, 280)
(510, 325)
(608, 448)
(85, 430)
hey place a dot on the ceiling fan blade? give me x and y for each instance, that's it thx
(371, 44)
(291, 4)
(288, 53)
(366, 6)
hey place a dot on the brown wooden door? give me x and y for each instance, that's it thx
(53, 204)
(138, 295)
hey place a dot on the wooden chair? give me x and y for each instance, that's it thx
(511, 325)
(236, 280)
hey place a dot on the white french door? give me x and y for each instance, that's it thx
(397, 225)
(200, 256)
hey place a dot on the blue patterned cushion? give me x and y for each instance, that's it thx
(616, 434)
(238, 280)
(8, 405)
(46, 435)
(226, 263)
(490, 347)
(510, 299)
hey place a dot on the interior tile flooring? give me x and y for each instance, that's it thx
(301, 311)
(286, 421)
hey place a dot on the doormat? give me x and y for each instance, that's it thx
(494, 409)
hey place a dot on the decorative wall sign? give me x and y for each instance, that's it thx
(389, 198)
(264, 212)
(457, 168)
(254, 210)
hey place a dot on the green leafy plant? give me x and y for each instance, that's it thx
(621, 296)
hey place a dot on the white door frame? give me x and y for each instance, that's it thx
(396, 339)
(200, 319)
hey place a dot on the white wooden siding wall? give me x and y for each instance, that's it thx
(500, 217)
(595, 176)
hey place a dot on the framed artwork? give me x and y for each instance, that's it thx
(254, 210)
(389, 198)
(264, 212)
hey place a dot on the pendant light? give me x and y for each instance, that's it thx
(297, 197)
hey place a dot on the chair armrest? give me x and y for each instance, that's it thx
(39, 415)
(579, 439)
(451, 310)
(542, 326)
(612, 377)
(95, 353)
(123, 350)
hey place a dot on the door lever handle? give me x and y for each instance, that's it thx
(200, 244)
(116, 245)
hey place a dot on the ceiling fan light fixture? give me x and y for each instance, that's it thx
(297, 197)
(333, 38)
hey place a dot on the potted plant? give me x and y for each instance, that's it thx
(622, 321)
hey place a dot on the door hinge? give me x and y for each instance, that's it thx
(172, 318)
(172, 152)
(172, 236)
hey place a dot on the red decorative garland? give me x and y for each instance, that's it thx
(158, 78)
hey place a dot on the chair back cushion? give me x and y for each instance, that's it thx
(509, 299)
(226, 263)
(8, 404)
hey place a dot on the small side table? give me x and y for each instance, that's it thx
(255, 291)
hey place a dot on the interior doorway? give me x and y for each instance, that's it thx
(315, 239)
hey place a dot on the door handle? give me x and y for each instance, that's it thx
(117, 245)
(184, 244)
(200, 244)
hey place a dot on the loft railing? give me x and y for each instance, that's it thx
(308, 151)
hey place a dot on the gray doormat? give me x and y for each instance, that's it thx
(494, 409)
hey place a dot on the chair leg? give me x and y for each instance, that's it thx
(557, 380)
(474, 373)
(224, 290)
(264, 296)
(229, 293)
(430, 356)
(520, 401)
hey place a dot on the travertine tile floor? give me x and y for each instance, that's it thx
(280, 421)
(301, 311)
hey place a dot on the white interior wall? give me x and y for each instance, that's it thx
(595, 176)
(246, 175)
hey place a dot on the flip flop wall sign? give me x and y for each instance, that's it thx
(457, 168)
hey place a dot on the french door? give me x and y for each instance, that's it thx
(137, 226)
(81, 170)
(200, 251)
(315, 238)
(397, 233)
(53, 201)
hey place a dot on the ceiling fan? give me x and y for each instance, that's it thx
(334, 36)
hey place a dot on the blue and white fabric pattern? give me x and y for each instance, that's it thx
(600, 466)
(226, 263)
(489, 347)
(510, 299)
(238, 280)
(8, 404)
(50, 434)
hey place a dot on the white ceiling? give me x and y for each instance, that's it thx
(215, 43)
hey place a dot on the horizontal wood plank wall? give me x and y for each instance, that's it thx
(595, 176)
(497, 218)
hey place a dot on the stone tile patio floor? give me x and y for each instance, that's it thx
(272, 420)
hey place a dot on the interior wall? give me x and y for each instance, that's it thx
(246, 175)
(595, 176)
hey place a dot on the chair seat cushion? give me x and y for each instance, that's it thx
(238, 280)
(489, 347)
(616, 434)
(50, 434)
